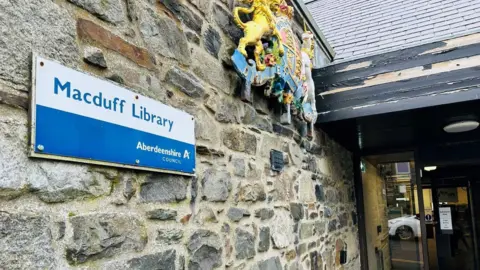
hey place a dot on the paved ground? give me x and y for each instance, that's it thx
(405, 254)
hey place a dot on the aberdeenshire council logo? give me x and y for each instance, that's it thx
(171, 152)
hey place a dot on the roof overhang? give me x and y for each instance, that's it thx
(312, 25)
(427, 75)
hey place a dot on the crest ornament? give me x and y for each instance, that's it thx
(262, 25)
(270, 55)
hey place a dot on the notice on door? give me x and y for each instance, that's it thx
(445, 220)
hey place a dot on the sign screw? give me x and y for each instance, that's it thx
(137, 161)
(40, 147)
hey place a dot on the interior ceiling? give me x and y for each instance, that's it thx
(453, 171)
(390, 158)
(405, 130)
(452, 175)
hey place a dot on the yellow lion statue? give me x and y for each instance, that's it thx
(263, 24)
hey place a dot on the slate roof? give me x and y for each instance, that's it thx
(359, 28)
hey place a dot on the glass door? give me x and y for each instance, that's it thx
(403, 217)
(453, 229)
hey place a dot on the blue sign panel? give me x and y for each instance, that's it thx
(82, 118)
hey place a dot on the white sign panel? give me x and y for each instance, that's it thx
(445, 218)
(79, 117)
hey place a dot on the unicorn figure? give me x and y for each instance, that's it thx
(309, 107)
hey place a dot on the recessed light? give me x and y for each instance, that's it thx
(430, 168)
(462, 126)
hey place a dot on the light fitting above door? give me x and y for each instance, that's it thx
(461, 126)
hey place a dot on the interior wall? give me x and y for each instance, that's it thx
(427, 201)
(462, 196)
(375, 215)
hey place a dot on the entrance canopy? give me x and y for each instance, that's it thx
(428, 75)
(403, 99)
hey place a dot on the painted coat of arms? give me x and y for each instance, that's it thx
(270, 55)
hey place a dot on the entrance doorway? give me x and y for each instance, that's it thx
(418, 219)
(392, 213)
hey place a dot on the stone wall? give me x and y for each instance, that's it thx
(235, 214)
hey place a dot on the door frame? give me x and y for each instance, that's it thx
(473, 224)
(359, 204)
(421, 207)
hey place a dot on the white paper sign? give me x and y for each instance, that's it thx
(402, 189)
(445, 218)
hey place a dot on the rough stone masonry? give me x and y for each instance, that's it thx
(235, 214)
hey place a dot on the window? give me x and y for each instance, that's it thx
(403, 168)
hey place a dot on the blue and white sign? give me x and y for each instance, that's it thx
(79, 117)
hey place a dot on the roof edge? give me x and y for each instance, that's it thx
(325, 46)
(367, 56)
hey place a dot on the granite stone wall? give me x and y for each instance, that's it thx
(235, 214)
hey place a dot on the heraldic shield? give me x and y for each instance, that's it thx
(272, 60)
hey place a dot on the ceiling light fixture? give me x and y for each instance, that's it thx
(461, 126)
(430, 168)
